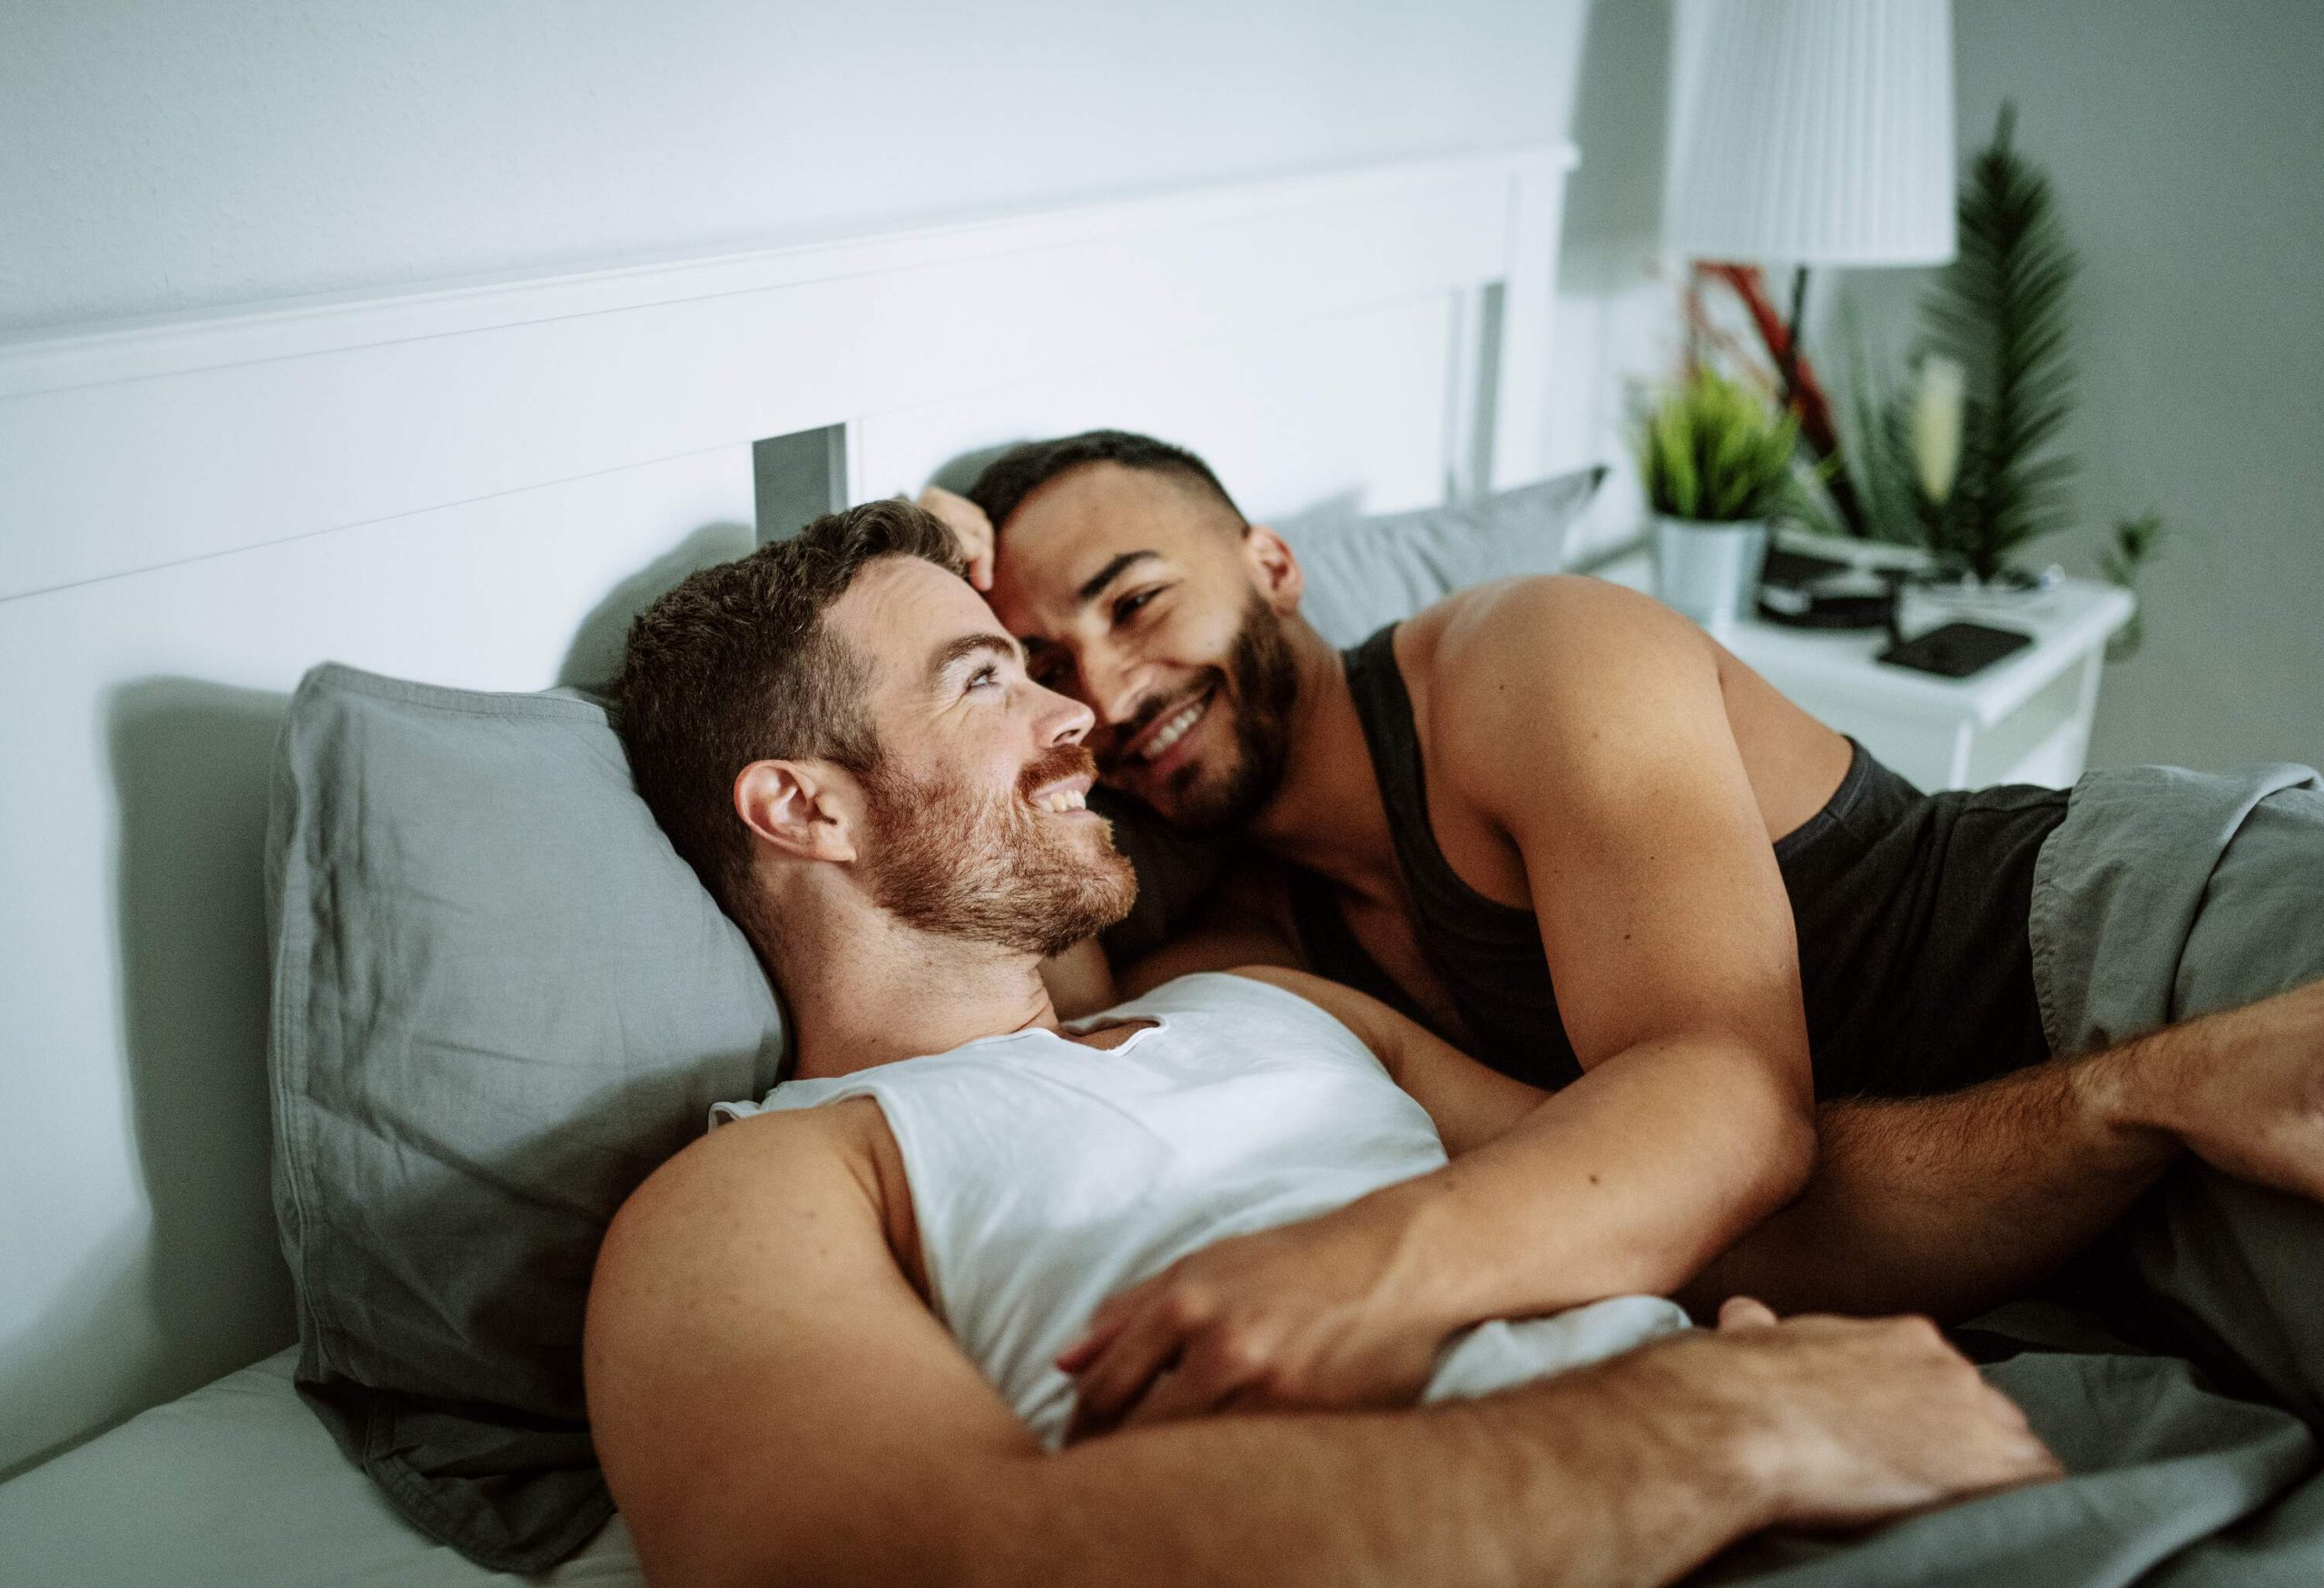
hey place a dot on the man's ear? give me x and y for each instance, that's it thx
(802, 808)
(1274, 568)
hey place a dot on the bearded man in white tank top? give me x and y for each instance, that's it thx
(857, 1334)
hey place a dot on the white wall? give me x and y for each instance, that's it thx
(1617, 331)
(2187, 143)
(159, 156)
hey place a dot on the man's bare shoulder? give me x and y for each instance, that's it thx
(1475, 637)
(1557, 666)
(770, 1158)
(759, 1367)
(698, 1238)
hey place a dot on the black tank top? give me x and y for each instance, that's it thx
(1910, 910)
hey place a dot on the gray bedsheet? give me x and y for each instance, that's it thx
(2178, 1370)
(2170, 1482)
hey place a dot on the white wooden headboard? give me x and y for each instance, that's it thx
(478, 485)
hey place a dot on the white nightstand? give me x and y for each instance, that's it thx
(2024, 719)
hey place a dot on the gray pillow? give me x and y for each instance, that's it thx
(499, 999)
(1363, 573)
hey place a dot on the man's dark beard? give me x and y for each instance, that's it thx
(1265, 686)
(990, 868)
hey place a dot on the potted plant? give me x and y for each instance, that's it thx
(1966, 459)
(1715, 462)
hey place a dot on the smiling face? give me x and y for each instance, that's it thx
(1145, 597)
(975, 826)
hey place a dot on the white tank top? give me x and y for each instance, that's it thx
(1046, 1174)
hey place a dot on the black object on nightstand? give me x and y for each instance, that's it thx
(1956, 650)
(1806, 591)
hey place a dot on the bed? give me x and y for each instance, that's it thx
(236, 1484)
(474, 487)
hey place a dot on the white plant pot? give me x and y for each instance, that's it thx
(1710, 572)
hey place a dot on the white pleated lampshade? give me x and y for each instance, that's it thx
(1812, 131)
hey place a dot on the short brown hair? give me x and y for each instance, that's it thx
(736, 664)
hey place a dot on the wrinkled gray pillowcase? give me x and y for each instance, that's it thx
(1363, 573)
(500, 999)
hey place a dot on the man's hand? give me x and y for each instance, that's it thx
(2243, 1088)
(969, 525)
(1314, 1314)
(1853, 1420)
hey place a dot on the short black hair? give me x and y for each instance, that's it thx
(1024, 469)
(735, 663)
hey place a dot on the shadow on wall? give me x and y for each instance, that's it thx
(959, 473)
(190, 762)
(595, 655)
(51, 1371)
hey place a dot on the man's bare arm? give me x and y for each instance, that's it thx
(773, 1402)
(1947, 1204)
(1590, 725)
(1934, 1204)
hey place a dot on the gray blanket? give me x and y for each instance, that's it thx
(2178, 1370)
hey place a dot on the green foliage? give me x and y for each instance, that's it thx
(1714, 453)
(1878, 454)
(2000, 309)
(2135, 542)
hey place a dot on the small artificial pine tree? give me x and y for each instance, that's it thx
(1999, 310)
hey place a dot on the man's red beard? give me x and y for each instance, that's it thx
(990, 867)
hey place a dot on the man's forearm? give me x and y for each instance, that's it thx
(1620, 1477)
(1626, 1181)
(1945, 1205)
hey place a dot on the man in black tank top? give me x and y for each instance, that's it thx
(1537, 817)
(1909, 909)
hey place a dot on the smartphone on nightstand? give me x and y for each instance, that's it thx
(1956, 650)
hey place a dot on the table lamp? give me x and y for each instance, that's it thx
(1811, 132)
